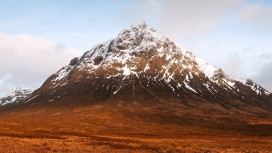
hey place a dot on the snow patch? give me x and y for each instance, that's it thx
(206, 68)
(126, 70)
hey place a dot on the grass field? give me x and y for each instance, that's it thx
(97, 144)
(132, 128)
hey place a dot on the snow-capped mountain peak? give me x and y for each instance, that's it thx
(140, 54)
(15, 95)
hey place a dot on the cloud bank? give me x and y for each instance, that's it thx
(27, 61)
(264, 76)
(257, 14)
(182, 18)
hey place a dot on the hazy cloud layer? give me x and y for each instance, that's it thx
(264, 76)
(180, 18)
(257, 14)
(27, 61)
(233, 65)
(183, 18)
(139, 9)
(265, 56)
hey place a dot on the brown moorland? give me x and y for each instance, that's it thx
(112, 126)
(139, 92)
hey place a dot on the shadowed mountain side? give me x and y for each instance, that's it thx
(141, 84)
(156, 118)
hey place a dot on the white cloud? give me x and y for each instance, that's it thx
(264, 76)
(183, 18)
(139, 10)
(265, 56)
(27, 61)
(257, 14)
(180, 18)
(233, 65)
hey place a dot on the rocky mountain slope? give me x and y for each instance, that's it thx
(16, 95)
(141, 63)
(141, 84)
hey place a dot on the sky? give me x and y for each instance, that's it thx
(39, 37)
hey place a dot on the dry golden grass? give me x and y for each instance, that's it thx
(132, 127)
(73, 144)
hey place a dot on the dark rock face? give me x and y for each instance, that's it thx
(219, 73)
(141, 64)
(249, 82)
(98, 60)
(74, 61)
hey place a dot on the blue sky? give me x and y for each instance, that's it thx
(38, 37)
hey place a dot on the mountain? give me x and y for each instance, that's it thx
(16, 95)
(141, 84)
(140, 63)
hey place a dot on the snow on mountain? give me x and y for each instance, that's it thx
(132, 41)
(15, 96)
(139, 50)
